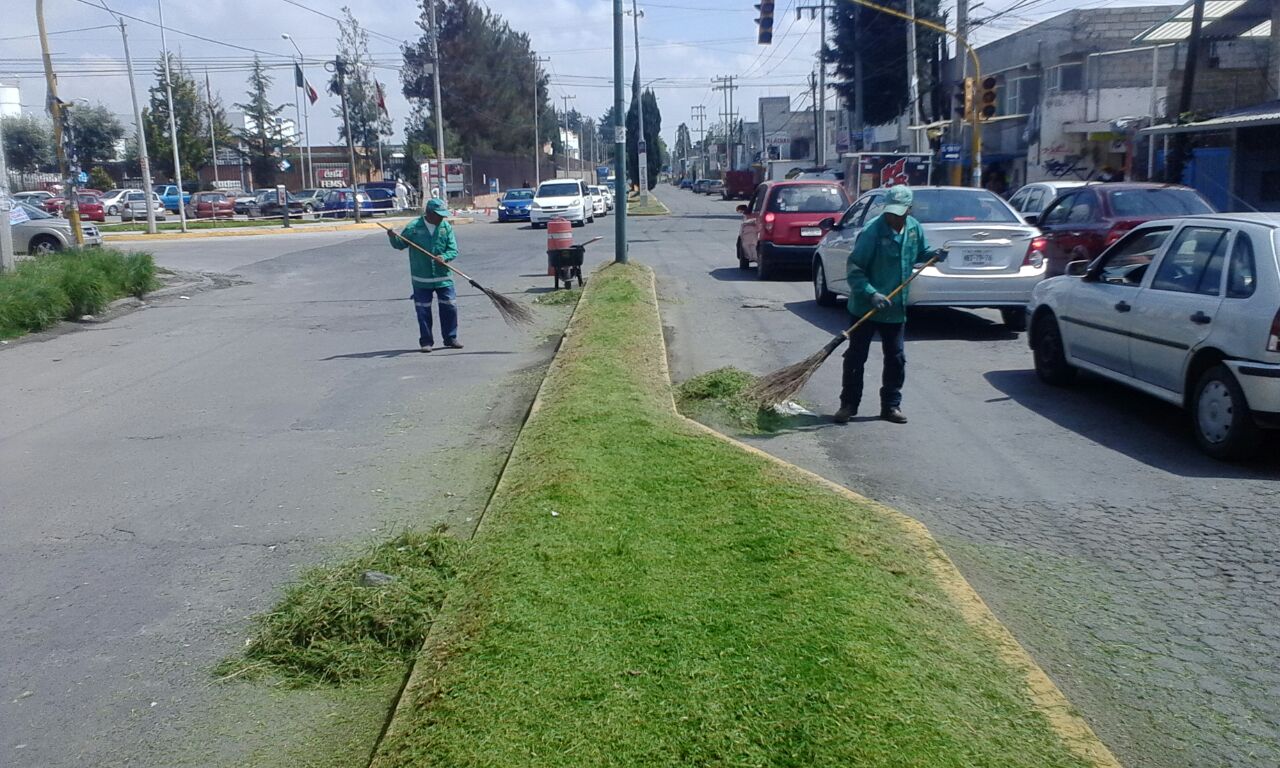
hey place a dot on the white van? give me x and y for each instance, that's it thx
(562, 199)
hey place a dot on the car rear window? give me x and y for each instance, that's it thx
(519, 194)
(558, 190)
(808, 198)
(1156, 202)
(960, 205)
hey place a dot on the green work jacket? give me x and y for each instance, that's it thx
(425, 271)
(880, 261)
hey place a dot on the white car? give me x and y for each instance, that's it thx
(113, 201)
(1182, 309)
(994, 258)
(133, 206)
(1031, 199)
(608, 197)
(599, 203)
(562, 199)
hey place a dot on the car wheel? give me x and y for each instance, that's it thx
(1221, 417)
(43, 245)
(743, 262)
(1050, 354)
(823, 296)
(1014, 318)
(763, 271)
(113, 211)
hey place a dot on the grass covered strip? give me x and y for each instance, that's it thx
(643, 594)
(68, 285)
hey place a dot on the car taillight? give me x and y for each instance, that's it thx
(1119, 230)
(1273, 340)
(768, 222)
(1035, 252)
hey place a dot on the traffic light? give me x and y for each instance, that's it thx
(964, 100)
(987, 98)
(765, 35)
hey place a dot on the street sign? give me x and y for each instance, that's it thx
(620, 134)
(951, 151)
(284, 165)
(493, 186)
(83, 178)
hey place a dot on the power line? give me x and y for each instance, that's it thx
(309, 9)
(168, 28)
(60, 32)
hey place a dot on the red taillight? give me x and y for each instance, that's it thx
(1119, 230)
(1035, 252)
(1273, 340)
(768, 222)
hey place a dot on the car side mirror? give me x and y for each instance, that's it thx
(742, 209)
(1032, 218)
(1078, 268)
(827, 224)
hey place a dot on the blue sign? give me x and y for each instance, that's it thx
(951, 151)
(83, 178)
(493, 186)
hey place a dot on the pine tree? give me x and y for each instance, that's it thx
(260, 136)
(652, 131)
(883, 41)
(368, 124)
(191, 116)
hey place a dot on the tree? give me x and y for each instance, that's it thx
(652, 130)
(100, 179)
(260, 137)
(191, 115)
(364, 116)
(28, 144)
(606, 126)
(882, 40)
(488, 77)
(96, 131)
(684, 144)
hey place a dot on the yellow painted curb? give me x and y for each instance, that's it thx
(163, 235)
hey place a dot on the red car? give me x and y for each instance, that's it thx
(56, 203)
(1082, 222)
(91, 208)
(782, 224)
(211, 205)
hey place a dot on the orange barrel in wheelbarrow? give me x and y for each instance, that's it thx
(559, 237)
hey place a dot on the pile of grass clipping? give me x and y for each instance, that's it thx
(567, 297)
(717, 398)
(337, 625)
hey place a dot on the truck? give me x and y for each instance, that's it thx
(169, 196)
(865, 171)
(739, 185)
(778, 170)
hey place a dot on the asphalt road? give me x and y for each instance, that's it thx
(1143, 576)
(165, 473)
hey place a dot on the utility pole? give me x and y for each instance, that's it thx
(619, 140)
(213, 141)
(6, 205)
(957, 75)
(1174, 165)
(699, 111)
(725, 83)
(143, 159)
(820, 104)
(60, 125)
(568, 158)
(913, 79)
(173, 123)
(438, 104)
(537, 107)
(340, 69)
(642, 146)
(817, 142)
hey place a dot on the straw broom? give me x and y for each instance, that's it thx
(512, 312)
(784, 383)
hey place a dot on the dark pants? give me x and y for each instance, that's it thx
(448, 314)
(895, 364)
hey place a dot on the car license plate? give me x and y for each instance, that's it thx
(971, 258)
(811, 231)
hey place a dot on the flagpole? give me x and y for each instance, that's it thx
(300, 83)
(213, 142)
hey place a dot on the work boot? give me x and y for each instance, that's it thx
(845, 414)
(893, 415)
(453, 344)
(425, 348)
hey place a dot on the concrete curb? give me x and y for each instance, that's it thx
(196, 234)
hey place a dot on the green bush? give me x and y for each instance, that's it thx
(68, 285)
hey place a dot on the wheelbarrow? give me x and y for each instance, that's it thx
(565, 264)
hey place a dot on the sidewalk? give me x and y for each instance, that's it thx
(645, 592)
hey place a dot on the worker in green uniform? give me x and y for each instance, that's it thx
(432, 281)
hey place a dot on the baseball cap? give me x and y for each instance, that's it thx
(898, 200)
(436, 205)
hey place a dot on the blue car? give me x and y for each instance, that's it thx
(514, 205)
(341, 203)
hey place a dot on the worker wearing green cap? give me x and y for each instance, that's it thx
(883, 257)
(432, 281)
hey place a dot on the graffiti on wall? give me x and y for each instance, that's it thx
(1059, 161)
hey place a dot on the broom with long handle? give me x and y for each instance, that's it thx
(784, 383)
(512, 312)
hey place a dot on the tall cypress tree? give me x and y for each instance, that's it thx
(259, 136)
(882, 39)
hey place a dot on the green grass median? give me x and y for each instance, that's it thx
(69, 285)
(642, 593)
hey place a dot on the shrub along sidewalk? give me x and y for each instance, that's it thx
(642, 593)
(69, 285)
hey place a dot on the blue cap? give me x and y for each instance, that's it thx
(436, 205)
(898, 200)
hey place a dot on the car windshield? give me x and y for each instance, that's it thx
(1156, 202)
(34, 212)
(960, 205)
(808, 198)
(519, 194)
(308, 193)
(558, 190)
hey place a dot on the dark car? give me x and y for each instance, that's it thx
(686, 183)
(210, 205)
(514, 205)
(1082, 222)
(381, 198)
(782, 225)
(341, 203)
(267, 203)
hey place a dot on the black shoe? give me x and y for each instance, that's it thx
(453, 344)
(845, 414)
(893, 415)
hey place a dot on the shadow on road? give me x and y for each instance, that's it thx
(1141, 427)
(924, 324)
(733, 274)
(382, 353)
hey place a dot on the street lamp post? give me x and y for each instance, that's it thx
(173, 123)
(642, 153)
(143, 160)
(309, 169)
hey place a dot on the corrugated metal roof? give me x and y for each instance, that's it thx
(1223, 20)
(1213, 9)
(1225, 123)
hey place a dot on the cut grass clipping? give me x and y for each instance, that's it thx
(337, 625)
(643, 594)
(716, 398)
(567, 297)
(68, 285)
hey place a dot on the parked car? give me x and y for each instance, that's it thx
(43, 232)
(341, 203)
(169, 196)
(1031, 199)
(686, 183)
(211, 205)
(245, 203)
(514, 205)
(91, 208)
(599, 204)
(1186, 310)
(781, 226)
(381, 199)
(713, 187)
(995, 259)
(134, 206)
(34, 197)
(611, 202)
(562, 199)
(312, 199)
(266, 204)
(113, 200)
(1080, 223)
